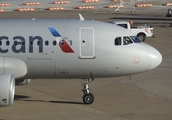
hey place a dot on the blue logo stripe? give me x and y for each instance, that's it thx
(54, 32)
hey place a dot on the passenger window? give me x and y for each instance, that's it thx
(46, 43)
(70, 42)
(7, 43)
(118, 41)
(15, 42)
(62, 42)
(126, 40)
(31, 43)
(54, 43)
(23, 43)
(38, 43)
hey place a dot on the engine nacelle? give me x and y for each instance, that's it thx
(22, 81)
(13, 66)
(7, 89)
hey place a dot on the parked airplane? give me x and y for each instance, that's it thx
(68, 49)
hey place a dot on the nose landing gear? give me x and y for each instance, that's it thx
(88, 97)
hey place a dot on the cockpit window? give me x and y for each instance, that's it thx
(123, 25)
(135, 39)
(118, 41)
(127, 40)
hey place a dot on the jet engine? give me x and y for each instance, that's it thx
(22, 81)
(7, 89)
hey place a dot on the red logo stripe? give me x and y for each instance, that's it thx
(65, 47)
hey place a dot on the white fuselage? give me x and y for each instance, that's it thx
(52, 48)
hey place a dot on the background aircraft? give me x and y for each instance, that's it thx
(68, 49)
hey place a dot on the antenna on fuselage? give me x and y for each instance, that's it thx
(81, 17)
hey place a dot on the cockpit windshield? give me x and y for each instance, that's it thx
(135, 39)
(126, 40)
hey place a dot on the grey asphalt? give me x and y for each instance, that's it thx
(44, 4)
(146, 96)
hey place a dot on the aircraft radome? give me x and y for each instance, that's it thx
(68, 49)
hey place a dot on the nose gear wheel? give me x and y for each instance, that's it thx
(88, 97)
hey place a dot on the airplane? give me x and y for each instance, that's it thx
(68, 49)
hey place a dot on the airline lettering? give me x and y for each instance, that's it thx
(19, 44)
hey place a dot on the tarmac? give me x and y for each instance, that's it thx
(15, 5)
(145, 96)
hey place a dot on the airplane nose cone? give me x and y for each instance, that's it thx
(154, 58)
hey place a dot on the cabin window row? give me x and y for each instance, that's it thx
(46, 43)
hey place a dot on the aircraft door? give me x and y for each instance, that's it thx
(86, 43)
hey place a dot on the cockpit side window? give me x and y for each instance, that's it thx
(127, 40)
(118, 41)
